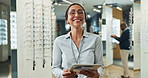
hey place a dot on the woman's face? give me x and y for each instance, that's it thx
(76, 16)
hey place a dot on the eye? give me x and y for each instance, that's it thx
(80, 12)
(72, 12)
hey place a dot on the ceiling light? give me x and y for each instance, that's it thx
(96, 10)
(67, 1)
(88, 16)
(99, 6)
(119, 8)
(56, 3)
(59, 4)
(104, 4)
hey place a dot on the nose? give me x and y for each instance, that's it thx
(76, 14)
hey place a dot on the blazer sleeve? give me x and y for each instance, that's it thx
(124, 36)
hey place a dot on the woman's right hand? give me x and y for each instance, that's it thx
(68, 74)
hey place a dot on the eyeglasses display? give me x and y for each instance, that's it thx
(3, 32)
(38, 30)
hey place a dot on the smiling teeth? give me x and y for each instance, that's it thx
(77, 20)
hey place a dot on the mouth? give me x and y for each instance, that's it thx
(77, 20)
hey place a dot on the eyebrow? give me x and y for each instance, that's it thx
(77, 10)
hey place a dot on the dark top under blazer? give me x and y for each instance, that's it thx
(124, 39)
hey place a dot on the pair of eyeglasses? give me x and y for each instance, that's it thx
(80, 12)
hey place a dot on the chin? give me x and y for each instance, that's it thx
(76, 27)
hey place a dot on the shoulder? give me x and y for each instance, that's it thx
(127, 31)
(93, 35)
(95, 38)
(60, 38)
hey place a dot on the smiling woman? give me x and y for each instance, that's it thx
(77, 47)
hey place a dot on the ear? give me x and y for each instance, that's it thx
(67, 22)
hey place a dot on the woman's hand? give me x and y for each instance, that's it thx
(90, 73)
(68, 74)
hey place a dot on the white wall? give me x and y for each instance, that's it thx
(109, 46)
(144, 38)
(136, 26)
(107, 14)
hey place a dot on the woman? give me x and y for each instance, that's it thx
(76, 47)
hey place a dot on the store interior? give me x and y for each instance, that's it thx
(103, 17)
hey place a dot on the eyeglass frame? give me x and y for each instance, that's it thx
(73, 12)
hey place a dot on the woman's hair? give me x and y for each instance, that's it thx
(66, 14)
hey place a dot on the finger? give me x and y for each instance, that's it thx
(84, 72)
(65, 70)
(73, 72)
(94, 73)
(88, 73)
(66, 74)
(69, 75)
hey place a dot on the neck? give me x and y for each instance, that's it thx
(76, 34)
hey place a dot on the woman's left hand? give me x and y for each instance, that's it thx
(90, 73)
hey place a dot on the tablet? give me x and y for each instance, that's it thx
(78, 67)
